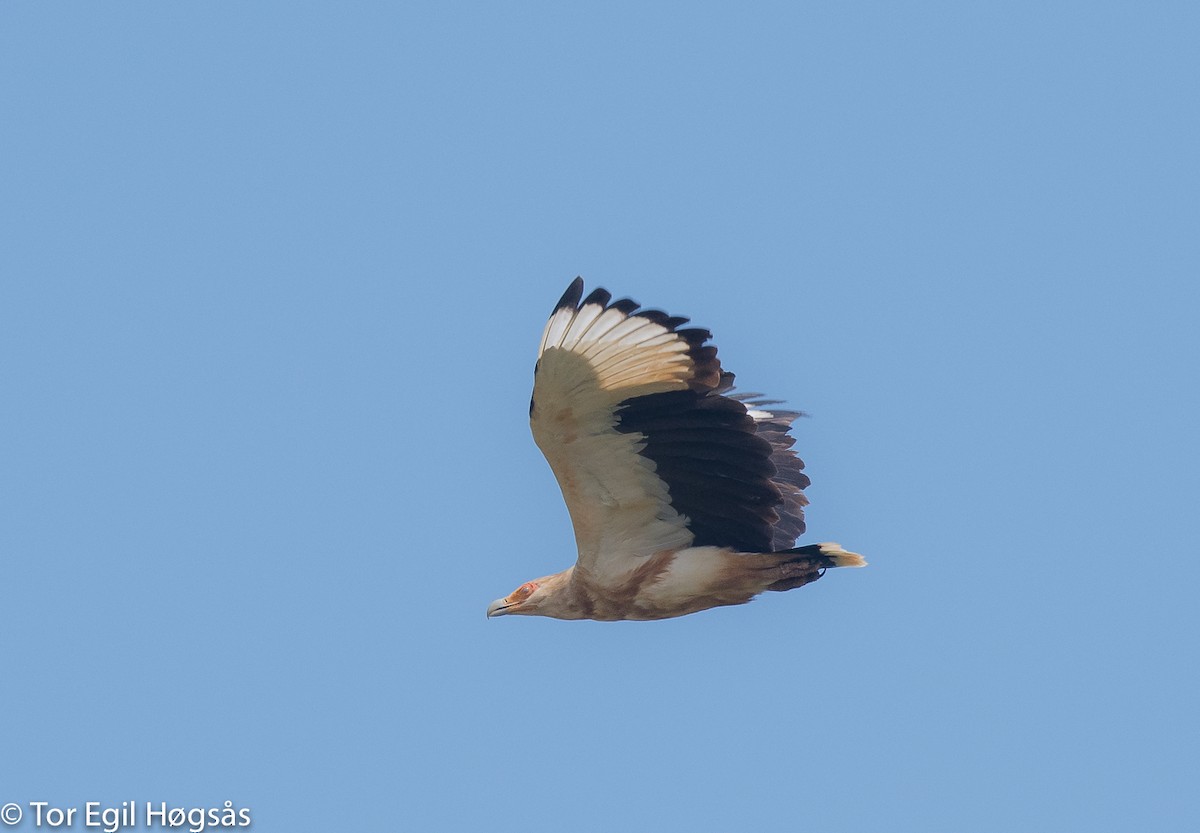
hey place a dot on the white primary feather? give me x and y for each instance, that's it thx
(556, 328)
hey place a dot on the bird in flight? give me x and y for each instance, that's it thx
(683, 494)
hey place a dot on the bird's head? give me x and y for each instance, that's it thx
(526, 599)
(539, 597)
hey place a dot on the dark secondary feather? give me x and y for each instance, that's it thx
(734, 478)
(789, 478)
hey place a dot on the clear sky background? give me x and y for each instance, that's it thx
(272, 276)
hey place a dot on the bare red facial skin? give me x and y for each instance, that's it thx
(523, 592)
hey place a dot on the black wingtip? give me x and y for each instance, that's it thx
(570, 298)
(597, 296)
(655, 315)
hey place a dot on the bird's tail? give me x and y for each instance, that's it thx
(807, 564)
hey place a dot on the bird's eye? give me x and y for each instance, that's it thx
(524, 591)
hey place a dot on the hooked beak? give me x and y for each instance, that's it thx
(499, 607)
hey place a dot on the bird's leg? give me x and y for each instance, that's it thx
(797, 573)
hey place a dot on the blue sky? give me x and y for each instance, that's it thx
(272, 277)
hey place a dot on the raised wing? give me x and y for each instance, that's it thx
(649, 446)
